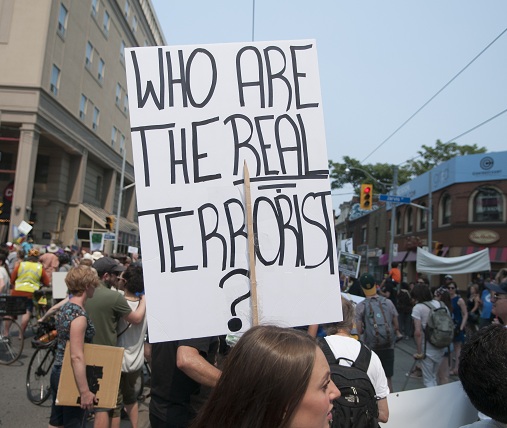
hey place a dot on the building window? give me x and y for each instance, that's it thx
(409, 216)
(398, 222)
(89, 55)
(134, 24)
(96, 115)
(55, 80)
(126, 104)
(122, 143)
(127, 8)
(98, 188)
(422, 217)
(106, 22)
(114, 132)
(95, 8)
(445, 210)
(118, 94)
(101, 71)
(62, 20)
(488, 205)
(363, 235)
(122, 52)
(82, 107)
(42, 169)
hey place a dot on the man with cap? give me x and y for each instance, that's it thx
(377, 323)
(499, 299)
(447, 280)
(105, 309)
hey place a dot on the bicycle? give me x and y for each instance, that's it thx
(11, 343)
(38, 376)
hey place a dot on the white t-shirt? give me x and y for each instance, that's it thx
(132, 339)
(348, 347)
(421, 312)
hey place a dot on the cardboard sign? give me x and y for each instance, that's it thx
(198, 115)
(103, 370)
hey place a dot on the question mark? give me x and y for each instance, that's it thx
(235, 324)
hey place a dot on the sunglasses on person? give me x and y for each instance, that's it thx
(451, 288)
(497, 296)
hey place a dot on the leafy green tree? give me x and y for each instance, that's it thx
(433, 156)
(349, 171)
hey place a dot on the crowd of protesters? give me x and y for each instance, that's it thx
(106, 305)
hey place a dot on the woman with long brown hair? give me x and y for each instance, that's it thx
(273, 377)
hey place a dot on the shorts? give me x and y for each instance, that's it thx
(386, 357)
(68, 416)
(128, 393)
(29, 299)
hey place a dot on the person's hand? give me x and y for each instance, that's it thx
(419, 356)
(88, 400)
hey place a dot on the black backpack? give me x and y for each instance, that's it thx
(357, 407)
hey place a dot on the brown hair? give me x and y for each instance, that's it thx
(80, 277)
(264, 379)
(348, 319)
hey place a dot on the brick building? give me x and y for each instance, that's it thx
(469, 204)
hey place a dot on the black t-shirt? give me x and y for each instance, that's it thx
(174, 395)
(390, 286)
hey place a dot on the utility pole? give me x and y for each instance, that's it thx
(394, 190)
(118, 211)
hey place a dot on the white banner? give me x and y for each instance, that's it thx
(445, 406)
(198, 113)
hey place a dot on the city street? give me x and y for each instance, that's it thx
(17, 411)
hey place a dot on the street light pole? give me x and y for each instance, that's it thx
(118, 211)
(393, 215)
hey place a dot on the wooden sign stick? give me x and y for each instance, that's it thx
(251, 246)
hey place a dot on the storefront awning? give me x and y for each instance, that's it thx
(496, 254)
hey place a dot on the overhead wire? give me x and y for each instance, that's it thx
(436, 94)
(461, 135)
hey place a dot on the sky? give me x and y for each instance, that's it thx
(379, 62)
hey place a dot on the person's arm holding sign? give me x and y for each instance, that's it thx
(194, 365)
(77, 336)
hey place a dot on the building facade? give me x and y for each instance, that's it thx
(64, 115)
(467, 199)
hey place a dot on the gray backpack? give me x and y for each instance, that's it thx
(378, 329)
(440, 328)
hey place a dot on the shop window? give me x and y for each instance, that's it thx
(488, 206)
(42, 169)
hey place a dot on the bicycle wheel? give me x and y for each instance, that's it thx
(10, 343)
(38, 376)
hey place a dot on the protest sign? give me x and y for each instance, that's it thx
(349, 264)
(198, 114)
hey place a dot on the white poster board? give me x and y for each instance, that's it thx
(198, 113)
(58, 285)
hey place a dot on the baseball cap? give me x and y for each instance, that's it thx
(448, 277)
(368, 284)
(107, 265)
(498, 288)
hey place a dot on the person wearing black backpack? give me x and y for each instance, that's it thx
(377, 323)
(355, 369)
(431, 356)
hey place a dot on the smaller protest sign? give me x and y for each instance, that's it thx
(103, 369)
(59, 286)
(348, 264)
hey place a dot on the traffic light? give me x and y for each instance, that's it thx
(110, 219)
(1, 207)
(365, 198)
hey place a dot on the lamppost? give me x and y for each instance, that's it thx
(120, 197)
